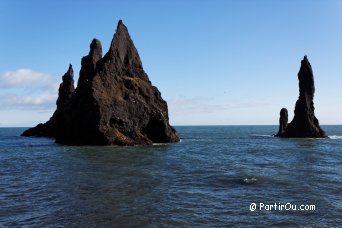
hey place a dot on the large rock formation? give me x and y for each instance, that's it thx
(304, 123)
(114, 102)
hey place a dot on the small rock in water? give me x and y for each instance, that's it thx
(249, 180)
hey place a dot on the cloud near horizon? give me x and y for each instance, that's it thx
(27, 89)
(190, 105)
(200, 110)
(205, 105)
(22, 77)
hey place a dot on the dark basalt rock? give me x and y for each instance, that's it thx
(65, 92)
(88, 63)
(304, 123)
(282, 121)
(113, 104)
(66, 88)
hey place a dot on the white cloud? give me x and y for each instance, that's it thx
(27, 89)
(191, 105)
(21, 77)
(206, 105)
(13, 101)
(199, 110)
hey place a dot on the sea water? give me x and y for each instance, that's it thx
(212, 178)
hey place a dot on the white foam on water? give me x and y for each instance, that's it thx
(163, 144)
(268, 136)
(335, 136)
(249, 180)
(159, 144)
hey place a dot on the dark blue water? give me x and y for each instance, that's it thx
(209, 180)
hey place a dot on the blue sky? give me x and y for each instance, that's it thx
(215, 62)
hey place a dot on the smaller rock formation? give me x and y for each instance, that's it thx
(66, 88)
(304, 124)
(65, 91)
(282, 121)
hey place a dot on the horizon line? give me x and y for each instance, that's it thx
(198, 125)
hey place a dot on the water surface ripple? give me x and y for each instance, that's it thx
(198, 182)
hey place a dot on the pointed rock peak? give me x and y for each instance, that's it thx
(89, 62)
(122, 32)
(306, 78)
(66, 88)
(96, 48)
(122, 47)
(305, 62)
(121, 27)
(70, 70)
(69, 75)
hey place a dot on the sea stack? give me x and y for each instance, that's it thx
(283, 119)
(114, 102)
(304, 123)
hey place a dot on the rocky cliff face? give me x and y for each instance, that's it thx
(114, 102)
(304, 123)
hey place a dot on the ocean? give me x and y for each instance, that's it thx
(214, 177)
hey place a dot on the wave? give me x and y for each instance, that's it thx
(224, 181)
(258, 135)
(335, 136)
(249, 180)
(164, 144)
(271, 136)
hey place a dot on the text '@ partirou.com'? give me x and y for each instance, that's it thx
(280, 207)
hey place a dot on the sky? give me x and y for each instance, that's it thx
(215, 62)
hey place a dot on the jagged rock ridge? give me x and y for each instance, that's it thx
(114, 102)
(304, 124)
